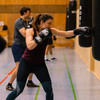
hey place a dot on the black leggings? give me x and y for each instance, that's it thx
(41, 72)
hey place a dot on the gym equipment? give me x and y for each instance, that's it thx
(67, 19)
(85, 19)
(83, 31)
(44, 34)
(96, 29)
(2, 44)
(71, 17)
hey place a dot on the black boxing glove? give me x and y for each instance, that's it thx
(44, 34)
(30, 21)
(86, 31)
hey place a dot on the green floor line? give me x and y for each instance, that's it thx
(75, 98)
(37, 92)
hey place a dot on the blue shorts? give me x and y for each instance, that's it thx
(18, 51)
(50, 41)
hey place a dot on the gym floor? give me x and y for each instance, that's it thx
(70, 78)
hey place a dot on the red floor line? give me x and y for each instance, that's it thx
(7, 76)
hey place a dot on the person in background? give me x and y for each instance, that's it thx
(48, 52)
(19, 44)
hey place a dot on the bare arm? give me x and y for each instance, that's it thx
(29, 39)
(23, 32)
(62, 33)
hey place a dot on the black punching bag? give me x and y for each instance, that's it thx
(85, 19)
(96, 28)
(2, 44)
(72, 16)
(67, 19)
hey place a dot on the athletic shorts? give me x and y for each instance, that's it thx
(17, 51)
(50, 41)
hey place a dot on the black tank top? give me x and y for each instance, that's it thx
(36, 56)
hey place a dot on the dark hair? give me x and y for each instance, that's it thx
(40, 17)
(24, 9)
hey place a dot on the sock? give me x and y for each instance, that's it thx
(51, 56)
(46, 56)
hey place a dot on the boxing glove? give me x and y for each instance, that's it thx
(86, 31)
(29, 23)
(44, 34)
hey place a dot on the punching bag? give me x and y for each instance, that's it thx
(96, 29)
(2, 44)
(67, 19)
(85, 19)
(72, 16)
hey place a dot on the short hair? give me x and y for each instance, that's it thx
(24, 9)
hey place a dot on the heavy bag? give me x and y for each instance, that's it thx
(72, 16)
(96, 29)
(2, 44)
(67, 19)
(85, 19)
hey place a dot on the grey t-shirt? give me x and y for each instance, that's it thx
(18, 38)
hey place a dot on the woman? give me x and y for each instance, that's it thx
(33, 58)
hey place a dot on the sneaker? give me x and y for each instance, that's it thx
(47, 60)
(53, 58)
(30, 85)
(9, 87)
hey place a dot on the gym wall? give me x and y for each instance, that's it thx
(86, 53)
(9, 12)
